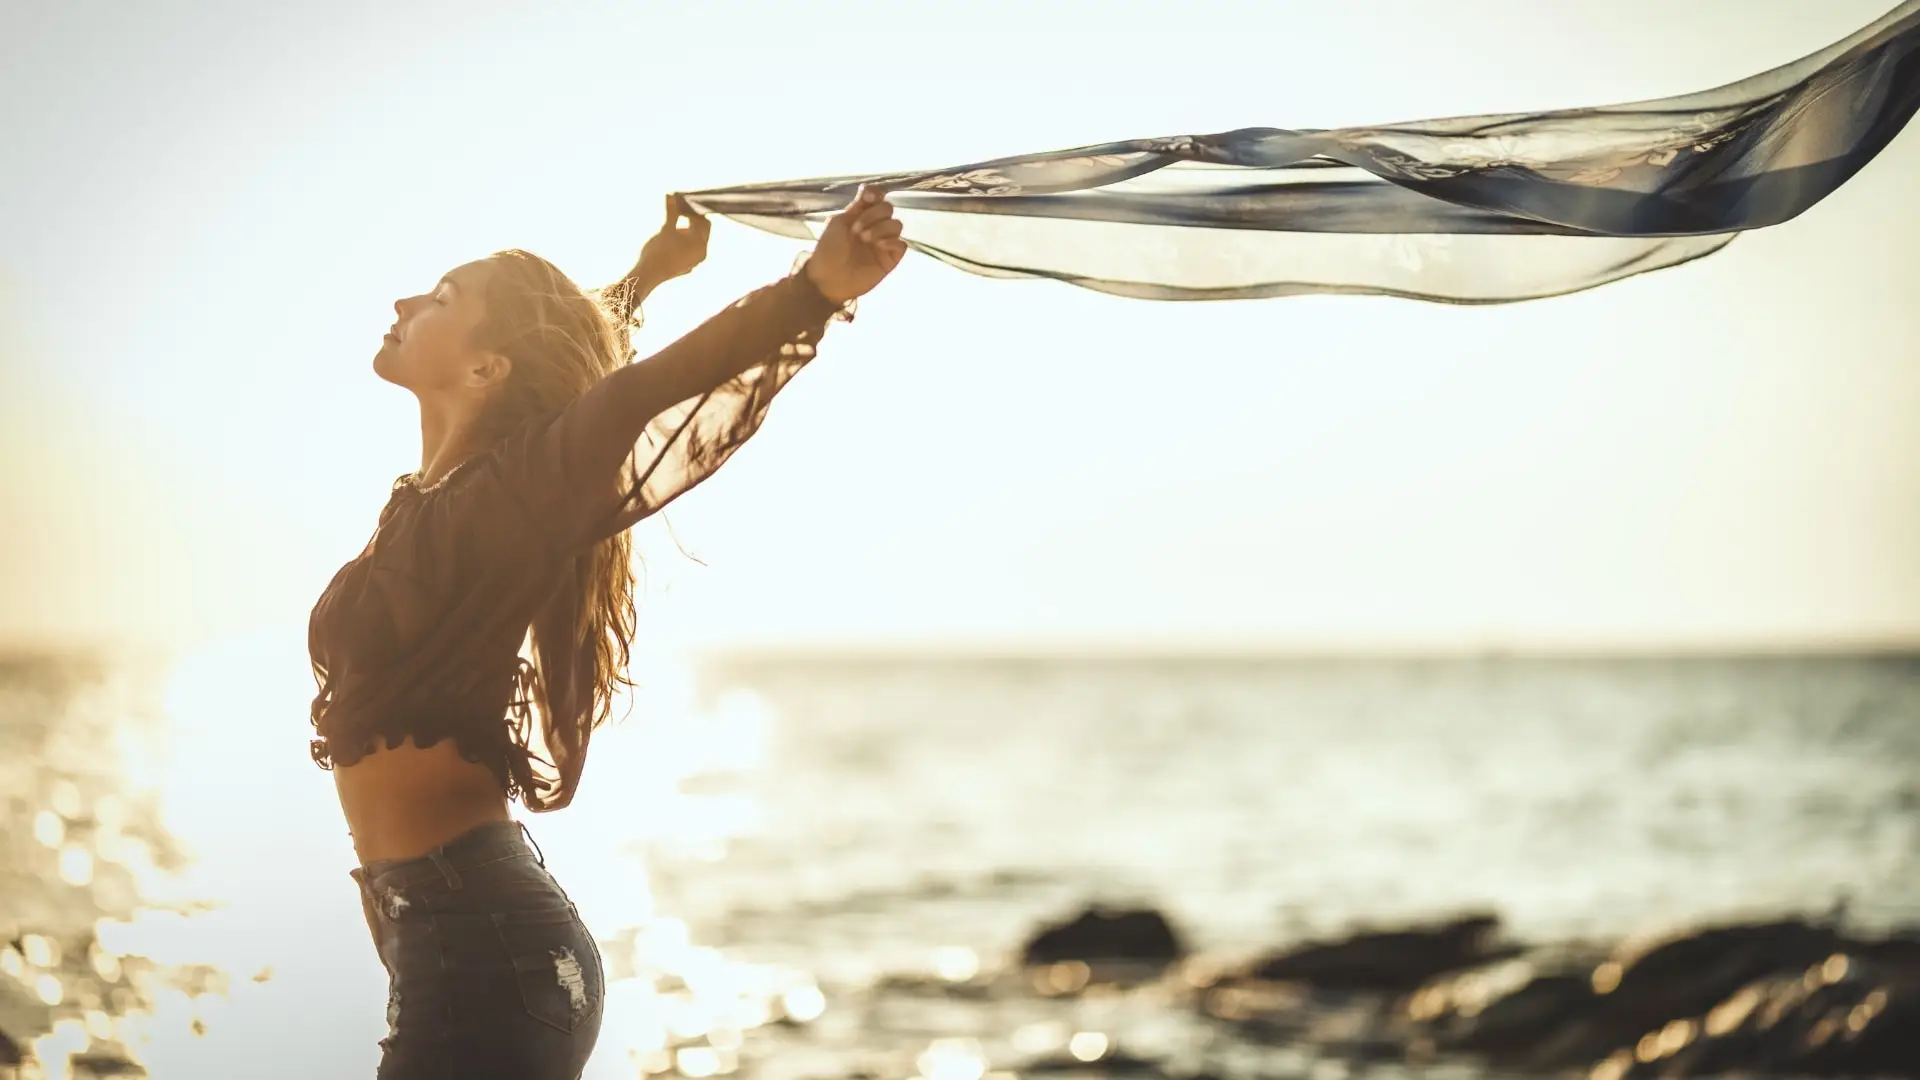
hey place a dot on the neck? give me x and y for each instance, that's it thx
(444, 445)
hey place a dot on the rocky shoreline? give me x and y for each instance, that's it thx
(1789, 997)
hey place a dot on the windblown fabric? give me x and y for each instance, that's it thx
(1472, 210)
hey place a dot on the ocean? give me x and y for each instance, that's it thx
(817, 866)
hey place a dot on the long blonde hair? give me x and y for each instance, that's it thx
(561, 340)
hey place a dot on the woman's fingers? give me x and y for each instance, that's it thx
(867, 206)
(878, 231)
(677, 208)
(874, 214)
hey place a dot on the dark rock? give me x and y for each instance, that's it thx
(1114, 1064)
(1787, 996)
(1394, 961)
(1641, 990)
(1098, 935)
(1758, 947)
(103, 1064)
(1842, 1017)
(9, 1050)
(1899, 952)
(1501, 1011)
(1886, 1044)
(1503, 1026)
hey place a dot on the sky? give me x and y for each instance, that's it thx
(209, 207)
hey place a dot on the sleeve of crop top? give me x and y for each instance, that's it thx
(655, 429)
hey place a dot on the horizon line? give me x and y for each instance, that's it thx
(1013, 649)
(16, 647)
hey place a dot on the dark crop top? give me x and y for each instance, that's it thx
(421, 635)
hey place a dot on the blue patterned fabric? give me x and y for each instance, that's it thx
(1485, 209)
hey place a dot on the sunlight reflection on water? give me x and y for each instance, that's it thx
(266, 902)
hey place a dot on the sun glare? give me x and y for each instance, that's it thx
(261, 928)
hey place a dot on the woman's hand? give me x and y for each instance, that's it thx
(859, 248)
(674, 251)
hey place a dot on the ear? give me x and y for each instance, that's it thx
(489, 371)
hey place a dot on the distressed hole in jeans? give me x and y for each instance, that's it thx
(395, 903)
(393, 1011)
(566, 971)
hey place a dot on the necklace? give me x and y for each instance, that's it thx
(412, 480)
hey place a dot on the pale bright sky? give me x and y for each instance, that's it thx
(208, 207)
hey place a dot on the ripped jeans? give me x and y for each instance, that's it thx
(490, 972)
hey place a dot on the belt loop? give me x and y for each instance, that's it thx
(537, 853)
(445, 866)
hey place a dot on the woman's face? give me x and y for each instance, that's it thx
(432, 346)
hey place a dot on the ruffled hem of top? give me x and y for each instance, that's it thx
(502, 744)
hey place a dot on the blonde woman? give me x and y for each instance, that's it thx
(466, 656)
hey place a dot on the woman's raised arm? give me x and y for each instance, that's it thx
(655, 429)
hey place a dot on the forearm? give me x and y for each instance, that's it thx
(630, 293)
(783, 320)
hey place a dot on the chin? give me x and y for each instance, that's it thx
(385, 365)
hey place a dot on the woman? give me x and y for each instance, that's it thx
(540, 446)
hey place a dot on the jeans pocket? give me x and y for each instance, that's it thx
(555, 964)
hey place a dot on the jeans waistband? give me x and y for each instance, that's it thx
(489, 843)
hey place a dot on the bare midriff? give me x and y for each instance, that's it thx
(404, 802)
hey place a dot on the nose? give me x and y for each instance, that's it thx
(402, 308)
